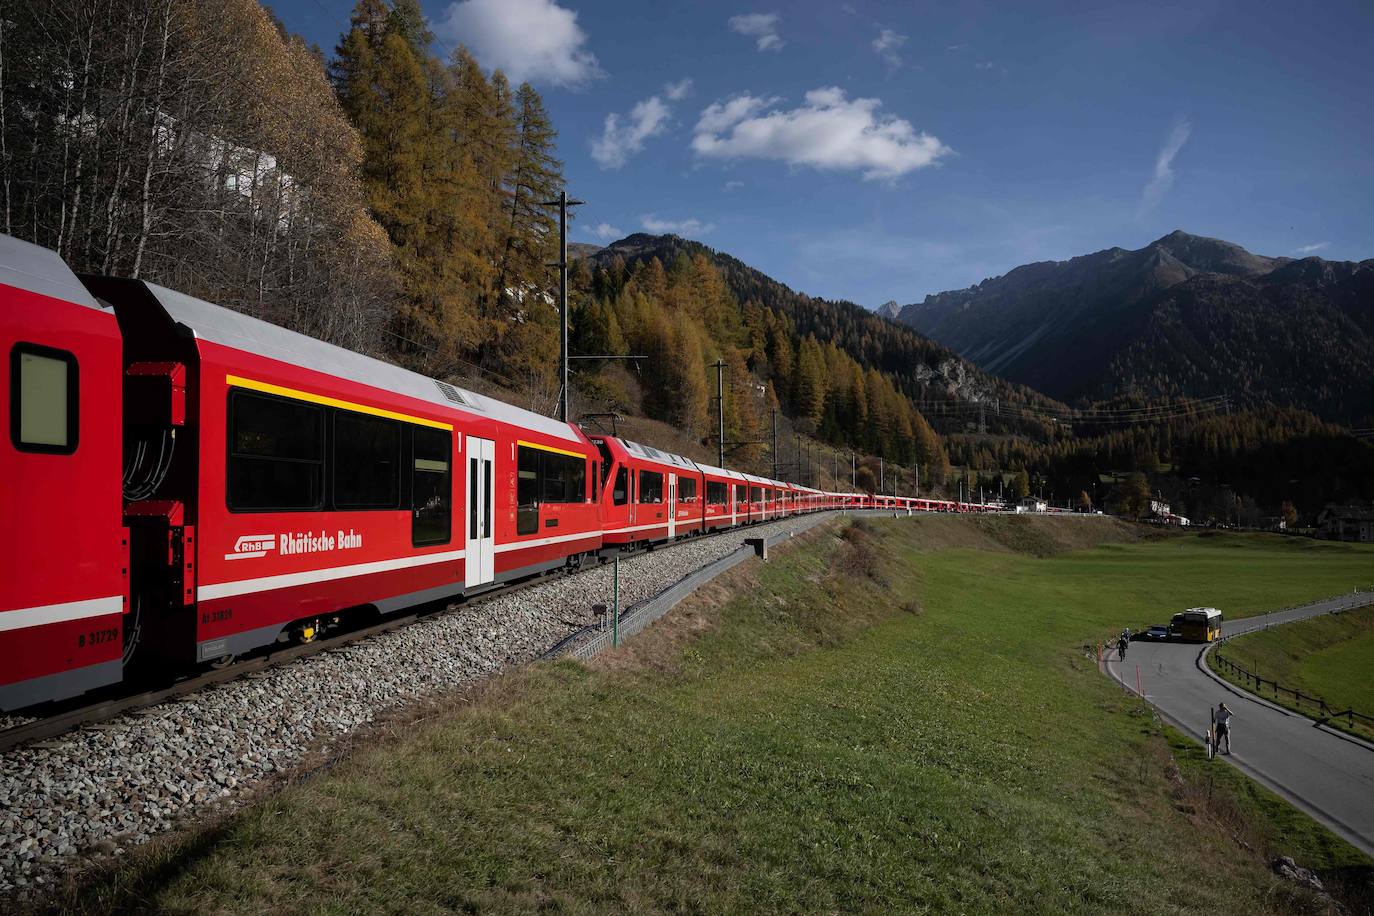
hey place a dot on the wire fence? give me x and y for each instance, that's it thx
(1251, 679)
(593, 640)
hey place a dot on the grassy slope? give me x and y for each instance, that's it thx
(863, 726)
(1331, 657)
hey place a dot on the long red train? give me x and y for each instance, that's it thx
(185, 483)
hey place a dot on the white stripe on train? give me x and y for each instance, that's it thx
(21, 618)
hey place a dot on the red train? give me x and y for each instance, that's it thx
(187, 483)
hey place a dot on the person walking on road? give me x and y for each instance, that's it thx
(1224, 715)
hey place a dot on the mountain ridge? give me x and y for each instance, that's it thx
(1161, 321)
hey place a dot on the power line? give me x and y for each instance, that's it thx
(1106, 415)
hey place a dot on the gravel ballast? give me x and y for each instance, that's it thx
(117, 784)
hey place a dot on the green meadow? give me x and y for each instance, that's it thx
(888, 716)
(1331, 657)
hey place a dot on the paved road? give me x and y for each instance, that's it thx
(1327, 774)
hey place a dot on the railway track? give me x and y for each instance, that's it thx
(58, 723)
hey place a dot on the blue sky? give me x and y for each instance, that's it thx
(875, 151)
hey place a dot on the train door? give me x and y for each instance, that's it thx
(480, 554)
(672, 505)
(734, 503)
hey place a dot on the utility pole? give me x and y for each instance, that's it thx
(853, 470)
(916, 478)
(720, 412)
(880, 473)
(562, 265)
(775, 443)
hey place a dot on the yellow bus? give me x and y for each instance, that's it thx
(1198, 624)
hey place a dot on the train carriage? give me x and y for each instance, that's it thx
(755, 499)
(309, 480)
(63, 581)
(641, 499)
(721, 510)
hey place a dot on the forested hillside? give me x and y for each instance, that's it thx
(192, 143)
(457, 167)
(389, 203)
(919, 367)
(1302, 335)
(684, 317)
(1235, 468)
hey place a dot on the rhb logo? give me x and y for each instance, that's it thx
(249, 546)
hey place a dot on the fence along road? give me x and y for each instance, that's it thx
(1324, 772)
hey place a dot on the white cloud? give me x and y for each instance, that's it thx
(984, 65)
(733, 185)
(603, 231)
(658, 226)
(535, 40)
(719, 116)
(678, 91)
(618, 142)
(957, 47)
(848, 8)
(829, 131)
(763, 27)
(888, 44)
(1163, 177)
(1315, 246)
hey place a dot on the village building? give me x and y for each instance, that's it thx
(1347, 523)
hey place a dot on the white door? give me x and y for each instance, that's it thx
(672, 505)
(481, 542)
(734, 501)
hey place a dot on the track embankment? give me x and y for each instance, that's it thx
(113, 786)
(866, 722)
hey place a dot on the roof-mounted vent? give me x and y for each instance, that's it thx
(454, 395)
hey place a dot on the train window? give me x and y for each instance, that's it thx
(717, 493)
(276, 453)
(754, 495)
(650, 487)
(431, 493)
(367, 462)
(576, 478)
(620, 494)
(564, 478)
(686, 490)
(527, 492)
(43, 399)
(596, 481)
